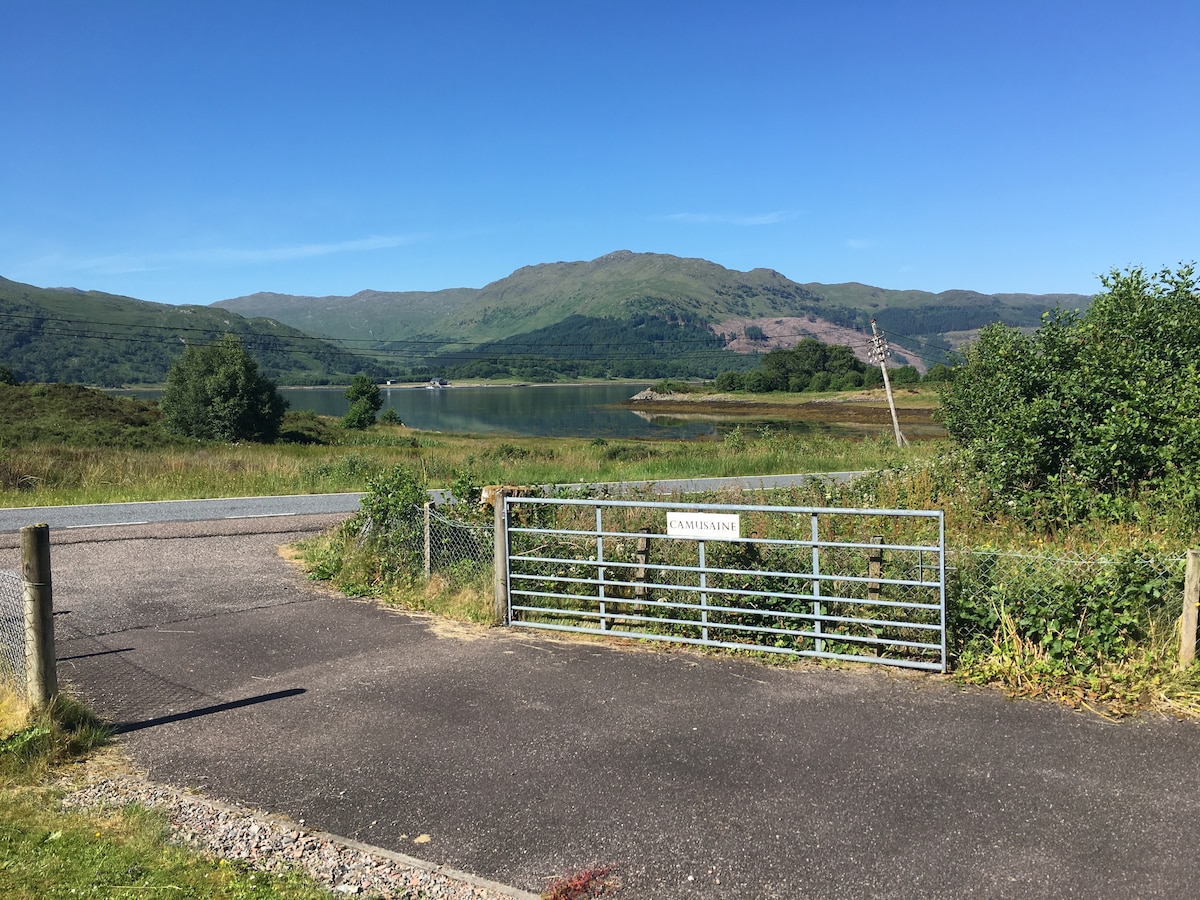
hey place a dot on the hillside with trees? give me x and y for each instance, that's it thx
(66, 335)
(636, 315)
(527, 309)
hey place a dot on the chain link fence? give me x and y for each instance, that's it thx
(456, 549)
(12, 631)
(1074, 608)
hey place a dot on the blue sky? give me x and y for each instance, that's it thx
(191, 152)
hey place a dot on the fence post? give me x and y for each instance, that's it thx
(875, 567)
(641, 558)
(500, 558)
(428, 544)
(1191, 603)
(41, 665)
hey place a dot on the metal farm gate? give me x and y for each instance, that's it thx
(852, 584)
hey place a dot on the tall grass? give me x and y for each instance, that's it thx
(49, 475)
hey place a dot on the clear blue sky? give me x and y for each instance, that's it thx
(187, 152)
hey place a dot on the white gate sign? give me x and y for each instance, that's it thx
(704, 526)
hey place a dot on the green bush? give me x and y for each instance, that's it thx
(728, 382)
(1089, 412)
(1076, 614)
(390, 525)
(215, 392)
(365, 402)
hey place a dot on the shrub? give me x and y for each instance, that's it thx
(390, 525)
(1092, 411)
(1075, 614)
(728, 382)
(215, 392)
(365, 401)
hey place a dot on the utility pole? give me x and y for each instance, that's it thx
(879, 354)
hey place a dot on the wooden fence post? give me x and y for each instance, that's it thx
(41, 664)
(1191, 605)
(874, 568)
(642, 557)
(500, 559)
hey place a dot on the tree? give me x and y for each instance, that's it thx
(7, 376)
(215, 392)
(938, 373)
(728, 382)
(1089, 411)
(365, 401)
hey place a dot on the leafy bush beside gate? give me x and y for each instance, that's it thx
(1074, 613)
(381, 551)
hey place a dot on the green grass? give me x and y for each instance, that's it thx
(52, 474)
(46, 852)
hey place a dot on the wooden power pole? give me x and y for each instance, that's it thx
(879, 354)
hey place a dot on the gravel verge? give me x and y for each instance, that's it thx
(271, 844)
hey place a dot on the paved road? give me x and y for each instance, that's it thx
(114, 514)
(522, 757)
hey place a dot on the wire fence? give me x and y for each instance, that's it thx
(12, 631)
(1075, 608)
(1072, 607)
(458, 550)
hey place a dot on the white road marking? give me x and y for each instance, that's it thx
(108, 525)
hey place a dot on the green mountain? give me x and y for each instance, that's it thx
(523, 313)
(624, 314)
(67, 335)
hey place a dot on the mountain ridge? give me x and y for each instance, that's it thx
(623, 314)
(625, 284)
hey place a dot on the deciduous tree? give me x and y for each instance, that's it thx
(215, 392)
(365, 401)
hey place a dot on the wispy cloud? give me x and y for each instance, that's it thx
(770, 218)
(125, 263)
(858, 243)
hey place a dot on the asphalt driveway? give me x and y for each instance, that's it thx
(518, 757)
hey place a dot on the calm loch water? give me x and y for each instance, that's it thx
(574, 410)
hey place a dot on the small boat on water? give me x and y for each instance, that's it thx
(437, 384)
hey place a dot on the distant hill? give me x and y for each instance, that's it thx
(523, 313)
(621, 315)
(87, 337)
(925, 314)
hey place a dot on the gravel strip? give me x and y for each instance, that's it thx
(272, 844)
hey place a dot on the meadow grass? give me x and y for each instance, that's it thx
(46, 475)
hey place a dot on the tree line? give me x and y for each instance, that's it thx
(814, 366)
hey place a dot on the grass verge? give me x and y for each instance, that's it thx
(48, 853)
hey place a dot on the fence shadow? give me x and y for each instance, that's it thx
(127, 727)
